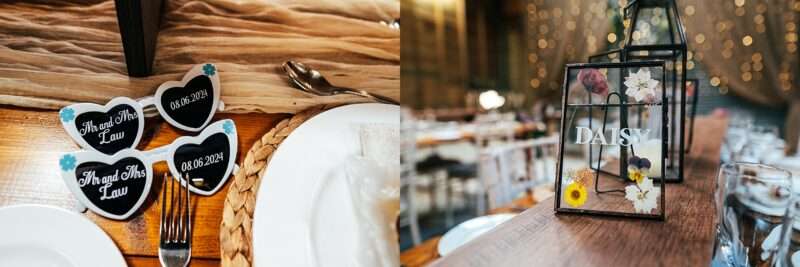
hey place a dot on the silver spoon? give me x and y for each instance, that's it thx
(312, 81)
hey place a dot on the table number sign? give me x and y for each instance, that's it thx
(613, 133)
(188, 104)
(115, 186)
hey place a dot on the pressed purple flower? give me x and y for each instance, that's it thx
(644, 163)
(594, 81)
(634, 161)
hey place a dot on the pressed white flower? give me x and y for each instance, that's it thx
(644, 196)
(640, 85)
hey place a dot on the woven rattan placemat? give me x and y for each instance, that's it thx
(236, 232)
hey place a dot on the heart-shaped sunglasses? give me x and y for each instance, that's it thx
(115, 186)
(188, 104)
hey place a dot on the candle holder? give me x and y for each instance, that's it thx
(612, 150)
(138, 22)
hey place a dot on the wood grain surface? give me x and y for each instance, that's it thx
(432, 141)
(538, 237)
(54, 53)
(33, 141)
(422, 254)
(428, 251)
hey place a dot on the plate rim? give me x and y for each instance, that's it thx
(506, 216)
(292, 136)
(116, 255)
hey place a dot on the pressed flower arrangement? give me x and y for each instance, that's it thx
(613, 135)
(642, 193)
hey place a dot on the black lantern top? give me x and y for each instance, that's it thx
(655, 27)
(654, 31)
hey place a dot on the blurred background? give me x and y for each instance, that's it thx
(481, 83)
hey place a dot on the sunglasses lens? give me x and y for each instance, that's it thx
(114, 188)
(209, 160)
(110, 131)
(192, 104)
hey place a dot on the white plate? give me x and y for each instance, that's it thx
(289, 229)
(466, 231)
(38, 235)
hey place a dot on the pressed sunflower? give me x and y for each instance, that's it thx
(575, 195)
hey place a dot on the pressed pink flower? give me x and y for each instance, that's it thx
(594, 81)
(689, 89)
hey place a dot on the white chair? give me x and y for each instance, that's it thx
(408, 175)
(509, 170)
(493, 129)
(489, 130)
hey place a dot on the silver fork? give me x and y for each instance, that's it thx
(175, 245)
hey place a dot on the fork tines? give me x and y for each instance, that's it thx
(175, 229)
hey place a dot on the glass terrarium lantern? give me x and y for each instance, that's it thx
(654, 31)
(612, 154)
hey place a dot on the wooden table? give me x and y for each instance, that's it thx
(33, 141)
(539, 237)
(428, 251)
(427, 140)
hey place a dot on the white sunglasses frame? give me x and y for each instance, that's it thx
(150, 157)
(139, 105)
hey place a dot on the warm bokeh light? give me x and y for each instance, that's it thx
(747, 40)
(491, 100)
(714, 81)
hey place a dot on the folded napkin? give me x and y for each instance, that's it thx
(56, 53)
(374, 182)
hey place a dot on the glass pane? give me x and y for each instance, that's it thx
(652, 26)
(674, 93)
(613, 136)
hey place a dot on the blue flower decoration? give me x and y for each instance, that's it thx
(209, 69)
(228, 127)
(67, 114)
(67, 162)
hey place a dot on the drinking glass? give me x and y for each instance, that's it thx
(736, 136)
(762, 144)
(792, 257)
(754, 214)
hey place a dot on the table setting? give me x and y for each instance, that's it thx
(213, 158)
(650, 169)
(320, 202)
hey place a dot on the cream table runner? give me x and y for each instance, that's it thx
(54, 53)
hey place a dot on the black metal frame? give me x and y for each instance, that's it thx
(693, 111)
(677, 52)
(623, 123)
